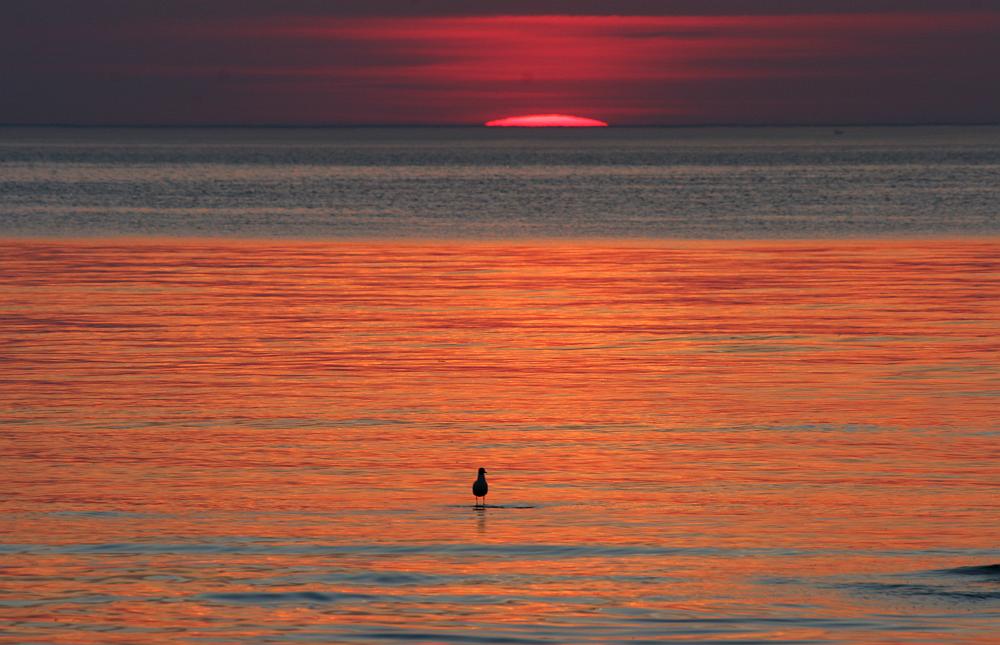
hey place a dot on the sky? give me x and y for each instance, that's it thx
(459, 62)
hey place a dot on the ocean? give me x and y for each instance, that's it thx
(729, 385)
(501, 183)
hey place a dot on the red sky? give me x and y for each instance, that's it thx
(399, 62)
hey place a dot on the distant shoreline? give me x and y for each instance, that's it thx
(331, 126)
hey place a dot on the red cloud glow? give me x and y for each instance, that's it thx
(635, 69)
(326, 67)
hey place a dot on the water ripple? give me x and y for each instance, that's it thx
(527, 551)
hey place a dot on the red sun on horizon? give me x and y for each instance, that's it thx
(547, 121)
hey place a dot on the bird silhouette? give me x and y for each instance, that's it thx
(480, 487)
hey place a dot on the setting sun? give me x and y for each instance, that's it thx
(547, 121)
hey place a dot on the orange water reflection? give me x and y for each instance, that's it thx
(251, 439)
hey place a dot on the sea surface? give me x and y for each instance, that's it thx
(501, 183)
(729, 386)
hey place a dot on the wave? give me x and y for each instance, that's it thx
(927, 591)
(975, 583)
(290, 597)
(985, 570)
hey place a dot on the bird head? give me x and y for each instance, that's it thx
(482, 471)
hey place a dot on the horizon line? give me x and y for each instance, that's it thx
(302, 126)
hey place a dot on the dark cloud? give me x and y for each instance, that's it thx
(90, 11)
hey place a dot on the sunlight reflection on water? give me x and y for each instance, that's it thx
(698, 441)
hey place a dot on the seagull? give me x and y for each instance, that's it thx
(480, 487)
